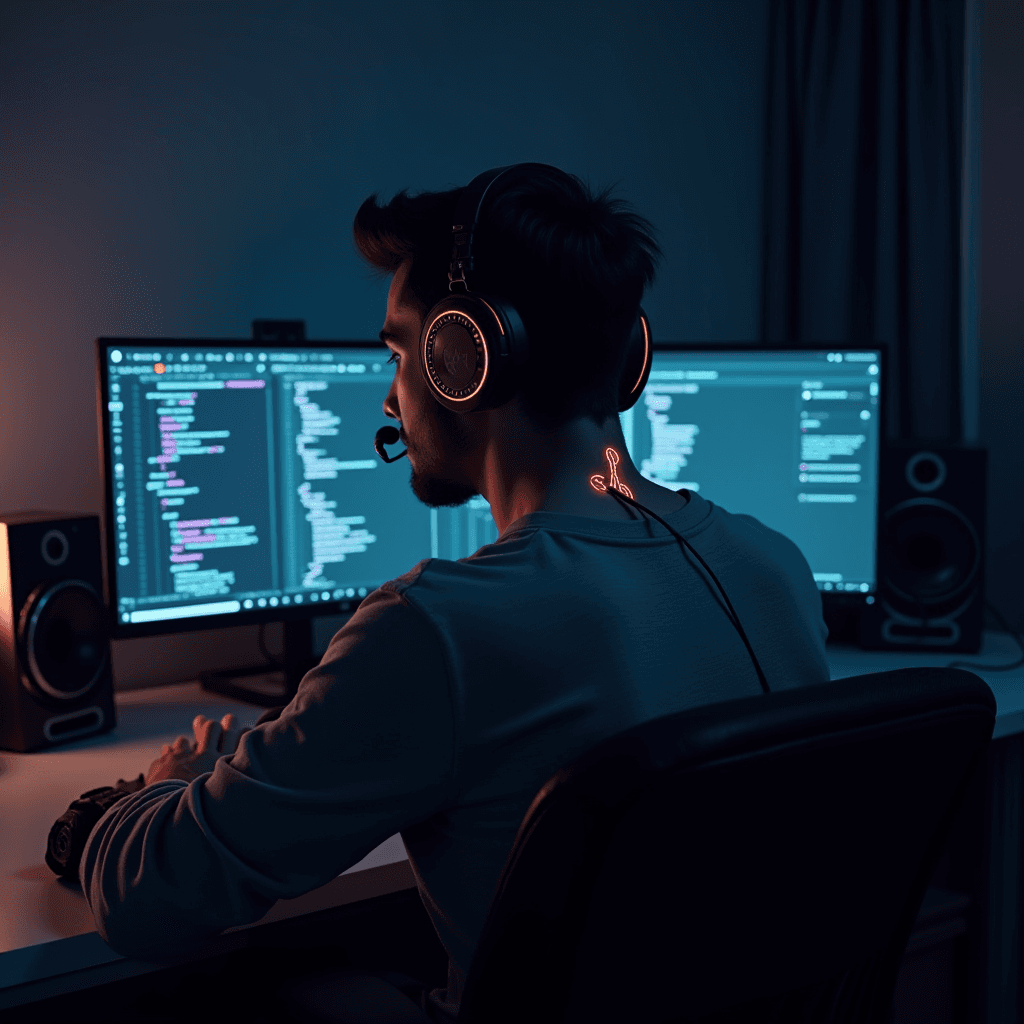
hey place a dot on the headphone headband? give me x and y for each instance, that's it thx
(468, 208)
(473, 348)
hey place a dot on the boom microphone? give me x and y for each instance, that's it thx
(387, 435)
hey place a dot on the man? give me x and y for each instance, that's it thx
(456, 690)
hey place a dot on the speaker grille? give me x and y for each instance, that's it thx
(930, 552)
(64, 634)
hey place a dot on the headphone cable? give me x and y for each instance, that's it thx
(1007, 628)
(683, 541)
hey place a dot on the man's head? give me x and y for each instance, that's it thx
(574, 265)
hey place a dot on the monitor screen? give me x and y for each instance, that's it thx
(242, 484)
(789, 437)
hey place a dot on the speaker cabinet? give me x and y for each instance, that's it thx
(56, 683)
(931, 550)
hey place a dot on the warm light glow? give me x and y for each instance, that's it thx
(159, 368)
(647, 351)
(598, 482)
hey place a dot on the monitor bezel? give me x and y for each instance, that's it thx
(834, 601)
(256, 616)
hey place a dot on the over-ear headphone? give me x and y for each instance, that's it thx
(473, 347)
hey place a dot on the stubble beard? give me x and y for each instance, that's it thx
(448, 438)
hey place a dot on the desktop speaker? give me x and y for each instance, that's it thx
(56, 682)
(931, 550)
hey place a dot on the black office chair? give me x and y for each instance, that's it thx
(759, 860)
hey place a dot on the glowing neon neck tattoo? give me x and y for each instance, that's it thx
(598, 482)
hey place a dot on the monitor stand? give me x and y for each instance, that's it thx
(267, 686)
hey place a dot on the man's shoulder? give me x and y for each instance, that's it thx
(748, 530)
(771, 562)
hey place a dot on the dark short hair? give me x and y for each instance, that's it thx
(573, 263)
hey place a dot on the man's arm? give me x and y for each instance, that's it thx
(365, 749)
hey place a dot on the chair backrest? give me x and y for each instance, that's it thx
(761, 859)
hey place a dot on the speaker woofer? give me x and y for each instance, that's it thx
(930, 551)
(64, 635)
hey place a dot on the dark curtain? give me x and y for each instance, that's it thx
(862, 192)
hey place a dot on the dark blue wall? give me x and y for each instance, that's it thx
(181, 168)
(170, 167)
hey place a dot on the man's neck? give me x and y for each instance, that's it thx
(527, 469)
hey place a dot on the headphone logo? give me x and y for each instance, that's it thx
(598, 482)
(454, 361)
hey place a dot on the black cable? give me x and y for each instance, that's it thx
(732, 611)
(1007, 628)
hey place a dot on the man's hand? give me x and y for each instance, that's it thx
(187, 760)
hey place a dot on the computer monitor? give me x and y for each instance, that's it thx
(241, 484)
(790, 437)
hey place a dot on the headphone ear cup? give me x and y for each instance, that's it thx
(638, 363)
(471, 347)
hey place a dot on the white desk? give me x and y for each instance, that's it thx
(999, 648)
(48, 942)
